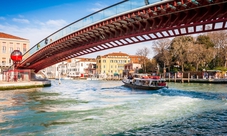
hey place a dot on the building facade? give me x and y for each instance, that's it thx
(133, 66)
(111, 64)
(81, 67)
(74, 68)
(9, 43)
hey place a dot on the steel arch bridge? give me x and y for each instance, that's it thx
(127, 22)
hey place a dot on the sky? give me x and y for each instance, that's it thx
(36, 19)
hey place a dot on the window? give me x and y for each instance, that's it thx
(11, 49)
(81, 64)
(24, 48)
(3, 49)
(104, 61)
(3, 61)
(104, 66)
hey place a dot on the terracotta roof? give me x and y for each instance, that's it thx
(4, 35)
(87, 59)
(116, 54)
(135, 58)
(69, 60)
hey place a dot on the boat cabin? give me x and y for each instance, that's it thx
(148, 82)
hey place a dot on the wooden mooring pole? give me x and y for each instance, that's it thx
(182, 78)
(188, 77)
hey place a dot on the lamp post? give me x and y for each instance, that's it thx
(16, 56)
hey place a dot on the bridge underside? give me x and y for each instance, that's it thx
(165, 20)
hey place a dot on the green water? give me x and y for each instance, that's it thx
(94, 108)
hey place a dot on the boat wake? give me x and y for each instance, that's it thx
(193, 94)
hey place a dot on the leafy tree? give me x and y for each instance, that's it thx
(205, 40)
(179, 49)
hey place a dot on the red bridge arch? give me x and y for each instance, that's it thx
(151, 22)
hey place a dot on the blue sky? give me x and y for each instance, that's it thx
(36, 19)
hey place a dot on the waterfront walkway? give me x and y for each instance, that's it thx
(24, 84)
(199, 80)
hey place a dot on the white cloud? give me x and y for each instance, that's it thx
(23, 21)
(97, 6)
(56, 23)
(95, 9)
(39, 23)
(34, 32)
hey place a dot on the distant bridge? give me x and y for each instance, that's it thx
(127, 22)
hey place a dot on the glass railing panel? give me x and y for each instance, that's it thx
(110, 12)
(64, 32)
(78, 25)
(98, 16)
(87, 21)
(68, 30)
(153, 1)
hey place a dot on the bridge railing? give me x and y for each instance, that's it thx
(105, 13)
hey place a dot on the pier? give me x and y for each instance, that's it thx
(188, 78)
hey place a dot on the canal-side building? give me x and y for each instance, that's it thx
(111, 64)
(72, 68)
(133, 66)
(9, 43)
(81, 67)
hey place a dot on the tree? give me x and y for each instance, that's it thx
(179, 49)
(205, 40)
(143, 53)
(161, 48)
(200, 55)
(220, 42)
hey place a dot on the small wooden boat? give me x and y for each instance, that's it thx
(153, 83)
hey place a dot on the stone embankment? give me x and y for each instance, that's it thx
(24, 84)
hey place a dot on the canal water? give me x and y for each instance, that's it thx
(106, 108)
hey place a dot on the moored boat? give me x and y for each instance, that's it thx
(146, 83)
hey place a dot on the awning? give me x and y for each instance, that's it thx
(116, 74)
